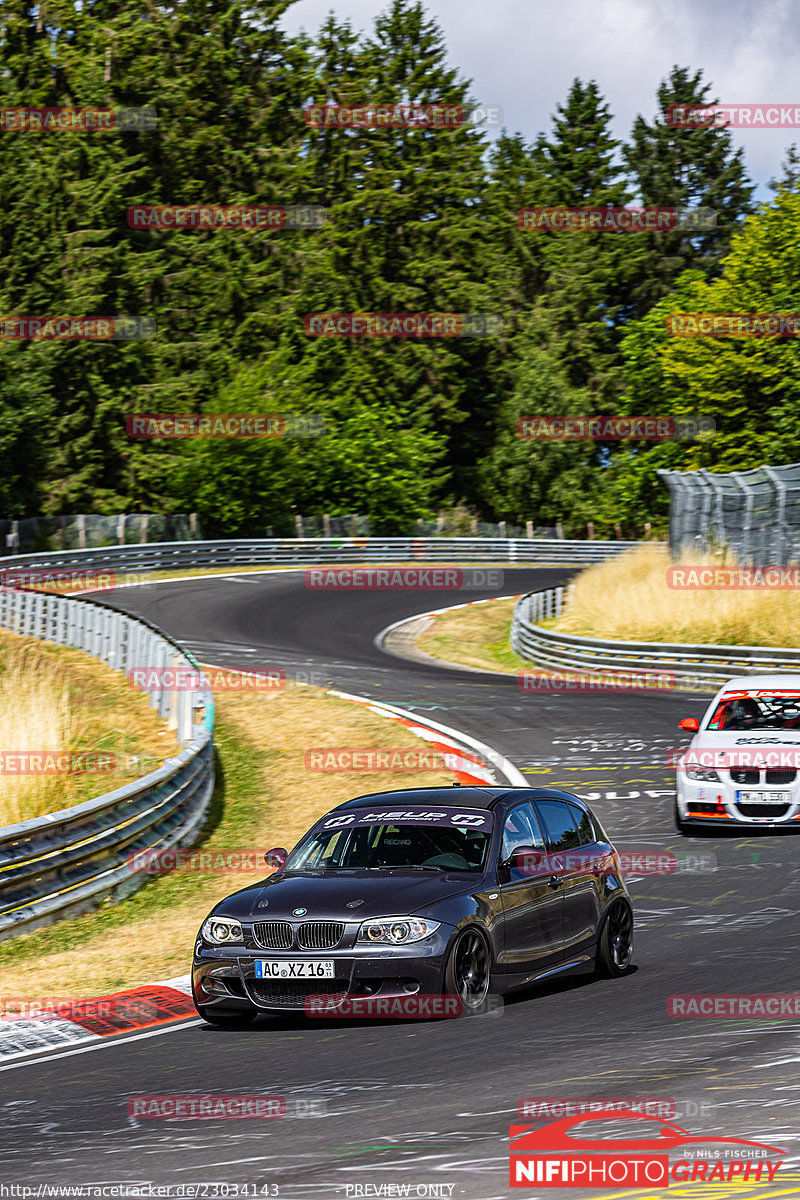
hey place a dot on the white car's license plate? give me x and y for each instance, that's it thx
(283, 968)
(763, 797)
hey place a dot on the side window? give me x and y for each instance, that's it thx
(583, 821)
(521, 829)
(559, 824)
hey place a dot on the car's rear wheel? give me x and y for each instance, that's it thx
(468, 971)
(229, 1018)
(615, 944)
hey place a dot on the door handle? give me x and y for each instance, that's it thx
(554, 881)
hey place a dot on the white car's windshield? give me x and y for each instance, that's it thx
(756, 710)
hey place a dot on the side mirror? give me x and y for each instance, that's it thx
(690, 723)
(528, 860)
(276, 858)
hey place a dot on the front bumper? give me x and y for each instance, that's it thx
(725, 802)
(224, 977)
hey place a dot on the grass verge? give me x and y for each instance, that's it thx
(627, 599)
(264, 797)
(477, 636)
(97, 731)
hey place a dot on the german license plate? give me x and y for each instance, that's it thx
(286, 968)
(763, 797)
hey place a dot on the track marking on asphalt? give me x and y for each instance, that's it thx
(102, 1044)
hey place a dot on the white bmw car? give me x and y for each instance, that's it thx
(743, 763)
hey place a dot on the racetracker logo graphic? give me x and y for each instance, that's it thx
(214, 679)
(727, 579)
(761, 756)
(77, 120)
(403, 1007)
(586, 682)
(765, 1006)
(573, 1106)
(612, 429)
(57, 581)
(76, 329)
(225, 425)
(208, 1107)
(403, 325)
(56, 762)
(616, 220)
(571, 862)
(554, 1156)
(403, 579)
(735, 325)
(367, 758)
(226, 216)
(735, 116)
(373, 115)
(203, 862)
(113, 1009)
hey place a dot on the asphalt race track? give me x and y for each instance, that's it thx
(430, 1103)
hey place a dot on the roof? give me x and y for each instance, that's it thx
(453, 796)
(743, 683)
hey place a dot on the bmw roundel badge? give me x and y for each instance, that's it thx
(299, 912)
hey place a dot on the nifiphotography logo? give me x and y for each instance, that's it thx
(553, 1156)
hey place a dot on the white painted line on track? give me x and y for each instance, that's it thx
(103, 1044)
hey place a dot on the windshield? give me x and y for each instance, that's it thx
(739, 711)
(454, 848)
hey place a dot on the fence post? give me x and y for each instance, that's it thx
(590, 530)
(529, 529)
(81, 523)
(298, 525)
(145, 524)
(121, 529)
(559, 530)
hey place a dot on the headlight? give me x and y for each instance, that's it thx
(396, 931)
(702, 773)
(221, 930)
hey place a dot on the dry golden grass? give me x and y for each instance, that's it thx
(55, 699)
(269, 799)
(627, 599)
(477, 636)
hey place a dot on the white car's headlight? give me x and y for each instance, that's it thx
(396, 931)
(704, 774)
(221, 930)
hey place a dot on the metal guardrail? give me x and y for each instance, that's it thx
(170, 556)
(703, 666)
(66, 861)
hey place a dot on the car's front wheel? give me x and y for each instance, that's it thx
(468, 971)
(682, 826)
(615, 944)
(228, 1018)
